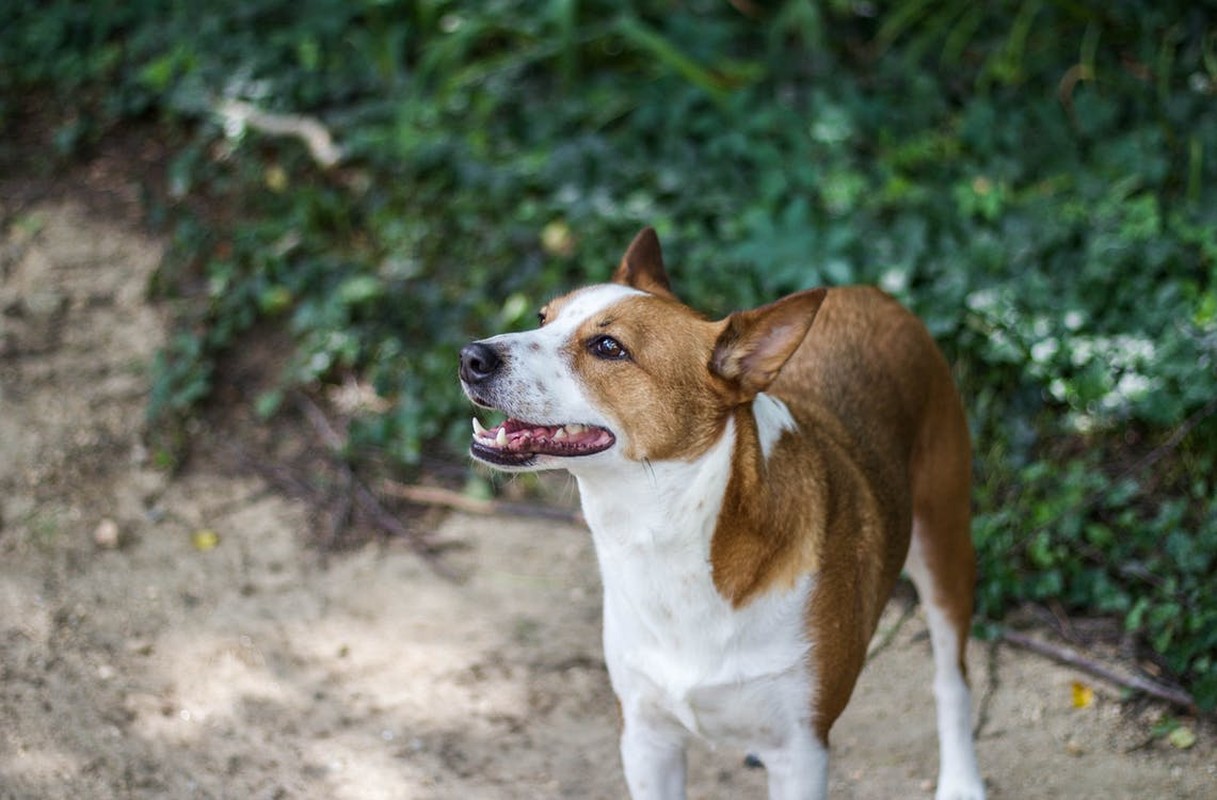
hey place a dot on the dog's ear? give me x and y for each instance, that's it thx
(642, 265)
(755, 344)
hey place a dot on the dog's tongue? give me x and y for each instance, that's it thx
(517, 436)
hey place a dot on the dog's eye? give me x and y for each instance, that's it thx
(608, 348)
(541, 317)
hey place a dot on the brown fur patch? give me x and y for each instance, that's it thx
(552, 309)
(942, 490)
(879, 420)
(661, 395)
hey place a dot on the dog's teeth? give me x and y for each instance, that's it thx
(559, 434)
(574, 429)
(501, 439)
(478, 430)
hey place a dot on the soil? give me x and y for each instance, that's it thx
(181, 636)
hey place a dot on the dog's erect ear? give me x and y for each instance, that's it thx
(642, 265)
(755, 344)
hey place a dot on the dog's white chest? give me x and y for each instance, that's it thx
(678, 653)
(681, 653)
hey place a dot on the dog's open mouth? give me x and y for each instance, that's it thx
(516, 443)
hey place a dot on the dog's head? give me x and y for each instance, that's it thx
(624, 370)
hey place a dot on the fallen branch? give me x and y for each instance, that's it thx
(446, 498)
(315, 136)
(1072, 658)
(366, 500)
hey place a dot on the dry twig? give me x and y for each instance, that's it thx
(446, 498)
(1072, 658)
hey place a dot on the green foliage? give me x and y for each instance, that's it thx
(1037, 179)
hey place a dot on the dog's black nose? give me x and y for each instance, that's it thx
(478, 362)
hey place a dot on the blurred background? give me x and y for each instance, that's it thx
(368, 185)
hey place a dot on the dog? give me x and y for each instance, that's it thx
(754, 486)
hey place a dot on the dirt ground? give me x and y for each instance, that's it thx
(254, 669)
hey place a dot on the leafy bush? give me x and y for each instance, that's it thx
(1037, 179)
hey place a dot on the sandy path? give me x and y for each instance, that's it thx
(252, 671)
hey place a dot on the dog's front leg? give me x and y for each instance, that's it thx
(654, 760)
(799, 770)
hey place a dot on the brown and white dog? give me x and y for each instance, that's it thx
(753, 486)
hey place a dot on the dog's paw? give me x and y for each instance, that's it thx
(960, 790)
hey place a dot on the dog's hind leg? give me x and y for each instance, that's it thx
(942, 565)
(958, 774)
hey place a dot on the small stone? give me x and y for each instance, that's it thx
(106, 535)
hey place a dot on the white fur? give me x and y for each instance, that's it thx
(773, 418)
(682, 660)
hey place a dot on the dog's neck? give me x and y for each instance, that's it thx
(643, 506)
(648, 508)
